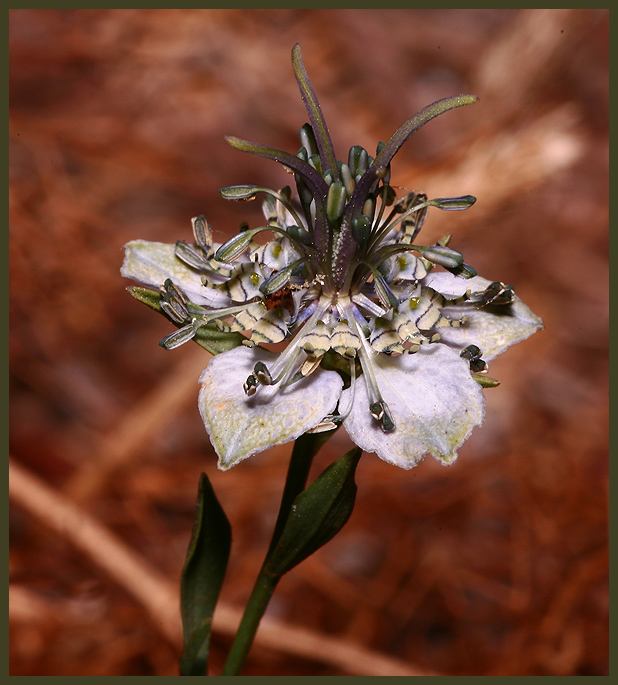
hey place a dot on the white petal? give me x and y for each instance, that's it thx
(239, 426)
(151, 263)
(493, 330)
(434, 402)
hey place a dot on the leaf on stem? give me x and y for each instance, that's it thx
(202, 577)
(318, 513)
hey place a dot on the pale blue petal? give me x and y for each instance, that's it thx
(434, 403)
(240, 426)
(493, 329)
(151, 263)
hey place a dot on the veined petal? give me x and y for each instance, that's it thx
(434, 403)
(493, 329)
(240, 426)
(403, 266)
(151, 263)
(277, 254)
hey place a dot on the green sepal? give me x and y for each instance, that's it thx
(207, 336)
(485, 381)
(202, 577)
(318, 513)
(332, 361)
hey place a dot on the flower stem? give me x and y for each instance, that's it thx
(256, 606)
(305, 448)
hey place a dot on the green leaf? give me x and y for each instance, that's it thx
(151, 298)
(202, 577)
(207, 336)
(305, 448)
(318, 513)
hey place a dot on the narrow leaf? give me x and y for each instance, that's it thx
(318, 513)
(305, 448)
(202, 577)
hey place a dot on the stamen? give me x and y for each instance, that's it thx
(190, 255)
(250, 385)
(444, 256)
(377, 406)
(348, 179)
(340, 416)
(261, 372)
(472, 353)
(331, 421)
(202, 233)
(173, 303)
(335, 202)
(367, 304)
(310, 365)
(358, 161)
(181, 336)
(248, 192)
(285, 364)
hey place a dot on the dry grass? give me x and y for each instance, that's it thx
(496, 566)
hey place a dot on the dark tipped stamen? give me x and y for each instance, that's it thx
(202, 233)
(250, 385)
(261, 372)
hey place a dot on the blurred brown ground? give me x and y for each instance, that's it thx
(495, 566)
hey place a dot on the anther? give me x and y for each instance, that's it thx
(250, 385)
(262, 374)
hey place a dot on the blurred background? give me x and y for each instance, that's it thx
(494, 566)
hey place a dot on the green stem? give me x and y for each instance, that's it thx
(256, 606)
(305, 448)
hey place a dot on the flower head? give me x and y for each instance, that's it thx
(389, 337)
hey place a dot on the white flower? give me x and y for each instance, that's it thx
(379, 341)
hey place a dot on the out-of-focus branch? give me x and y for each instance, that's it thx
(107, 551)
(500, 166)
(513, 69)
(159, 596)
(132, 436)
